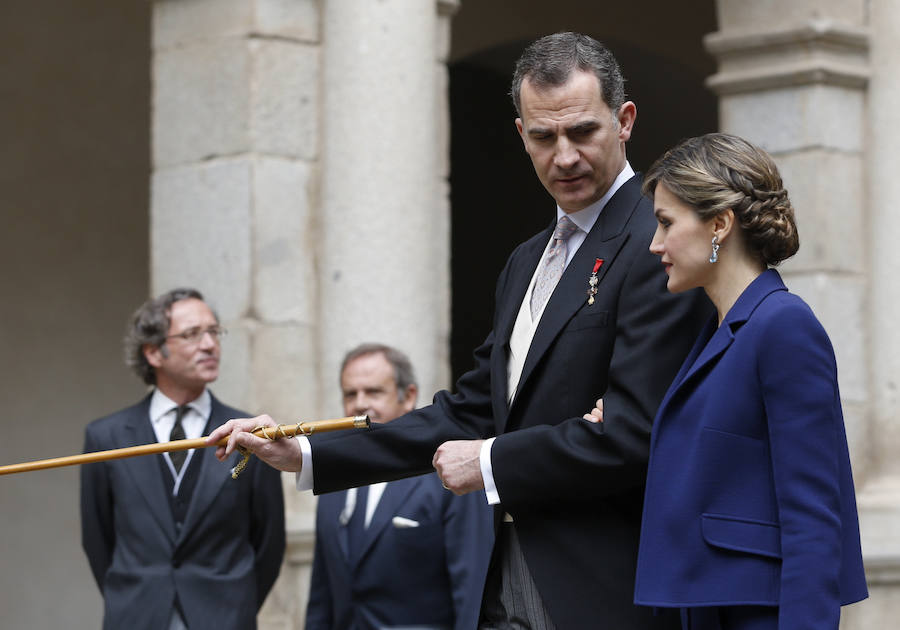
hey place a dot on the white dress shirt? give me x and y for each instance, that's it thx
(162, 417)
(375, 492)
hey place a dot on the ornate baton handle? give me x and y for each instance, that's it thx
(271, 433)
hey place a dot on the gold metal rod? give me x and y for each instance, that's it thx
(272, 433)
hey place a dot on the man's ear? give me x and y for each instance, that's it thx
(409, 401)
(520, 127)
(153, 354)
(626, 116)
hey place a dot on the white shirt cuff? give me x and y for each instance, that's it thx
(305, 476)
(487, 473)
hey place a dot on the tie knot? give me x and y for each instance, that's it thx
(180, 411)
(565, 228)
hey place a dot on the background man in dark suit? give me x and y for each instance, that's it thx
(406, 553)
(569, 492)
(172, 540)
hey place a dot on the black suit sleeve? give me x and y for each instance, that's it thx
(97, 532)
(405, 446)
(266, 527)
(575, 459)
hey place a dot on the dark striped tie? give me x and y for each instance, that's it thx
(177, 433)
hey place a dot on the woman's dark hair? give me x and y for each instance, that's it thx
(718, 171)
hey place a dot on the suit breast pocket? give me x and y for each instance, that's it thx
(414, 543)
(588, 318)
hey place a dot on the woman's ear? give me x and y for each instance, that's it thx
(723, 224)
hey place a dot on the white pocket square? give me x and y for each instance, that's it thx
(401, 523)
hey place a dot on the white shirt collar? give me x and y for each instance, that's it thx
(586, 217)
(162, 417)
(160, 405)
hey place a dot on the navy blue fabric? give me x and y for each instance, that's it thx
(424, 576)
(750, 496)
(356, 528)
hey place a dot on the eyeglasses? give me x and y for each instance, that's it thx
(194, 335)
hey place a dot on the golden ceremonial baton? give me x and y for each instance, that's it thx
(271, 433)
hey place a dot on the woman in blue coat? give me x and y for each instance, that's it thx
(749, 515)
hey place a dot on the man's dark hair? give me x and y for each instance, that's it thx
(149, 326)
(549, 61)
(403, 370)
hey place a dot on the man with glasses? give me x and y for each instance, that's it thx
(172, 540)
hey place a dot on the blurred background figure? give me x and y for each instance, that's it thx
(402, 553)
(172, 540)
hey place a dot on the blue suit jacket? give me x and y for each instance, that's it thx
(222, 562)
(750, 496)
(430, 576)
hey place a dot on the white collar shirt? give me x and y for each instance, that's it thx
(162, 418)
(525, 327)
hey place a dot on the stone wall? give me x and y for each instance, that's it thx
(299, 176)
(816, 88)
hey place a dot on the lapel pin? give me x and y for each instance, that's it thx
(593, 280)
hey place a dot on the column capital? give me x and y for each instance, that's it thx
(813, 52)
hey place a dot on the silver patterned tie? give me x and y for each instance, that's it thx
(552, 265)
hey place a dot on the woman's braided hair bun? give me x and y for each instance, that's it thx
(719, 171)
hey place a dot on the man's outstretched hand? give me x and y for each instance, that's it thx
(283, 454)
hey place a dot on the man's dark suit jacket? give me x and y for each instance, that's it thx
(574, 488)
(429, 576)
(223, 561)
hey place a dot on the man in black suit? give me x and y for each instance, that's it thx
(582, 312)
(172, 540)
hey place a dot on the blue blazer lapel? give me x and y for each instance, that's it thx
(714, 348)
(144, 470)
(704, 352)
(213, 473)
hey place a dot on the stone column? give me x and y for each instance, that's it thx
(233, 201)
(880, 501)
(798, 86)
(384, 227)
(309, 229)
(235, 149)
